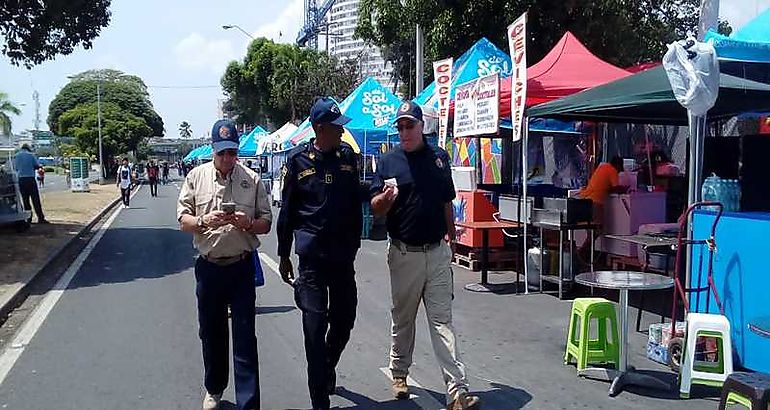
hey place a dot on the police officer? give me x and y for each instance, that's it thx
(226, 239)
(322, 212)
(413, 188)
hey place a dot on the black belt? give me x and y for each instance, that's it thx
(412, 248)
(226, 260)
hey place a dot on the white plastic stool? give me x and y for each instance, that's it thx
(705, 325)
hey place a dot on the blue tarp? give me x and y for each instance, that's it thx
(371, 107)
(751, 43)
(484, 58)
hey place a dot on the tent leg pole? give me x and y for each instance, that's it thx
(523, 209)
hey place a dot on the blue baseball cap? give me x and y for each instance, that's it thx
(326, 111)
(224, 135)
(409, 110)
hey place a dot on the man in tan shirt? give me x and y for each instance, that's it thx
(225, 205)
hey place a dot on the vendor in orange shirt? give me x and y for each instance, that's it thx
(603, 182)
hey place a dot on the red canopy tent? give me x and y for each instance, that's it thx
(567, 69)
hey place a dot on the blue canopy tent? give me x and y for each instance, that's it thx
(751, 43)
(371, 108)
(482, 59)
(250, 142)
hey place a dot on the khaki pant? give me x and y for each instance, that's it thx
(426, 277)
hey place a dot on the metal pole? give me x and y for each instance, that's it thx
(523, 209)
(418, 69)
(99, 125)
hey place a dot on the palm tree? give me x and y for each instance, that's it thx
(184, 130)
(6, 108)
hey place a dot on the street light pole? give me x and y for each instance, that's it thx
(229, 26)
(418, 60)
(99, 125)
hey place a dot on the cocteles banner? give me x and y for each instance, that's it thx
(442, 73)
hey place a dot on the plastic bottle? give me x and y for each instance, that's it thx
(709, 189)
(738, 195)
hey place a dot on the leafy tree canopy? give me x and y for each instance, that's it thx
(126, 91)
(275, 83)
(35, 31)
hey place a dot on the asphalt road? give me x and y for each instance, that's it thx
(124, 336)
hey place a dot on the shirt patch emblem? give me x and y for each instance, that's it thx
(305, 173)
(439, 163)
(311, 155)
(245, 184)
(346, 168)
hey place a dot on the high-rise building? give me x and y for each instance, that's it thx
(342, 20)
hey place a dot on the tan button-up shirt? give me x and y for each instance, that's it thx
(205, 190)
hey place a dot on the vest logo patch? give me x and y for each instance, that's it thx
(305, 173)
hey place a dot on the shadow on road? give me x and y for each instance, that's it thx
(266, 310)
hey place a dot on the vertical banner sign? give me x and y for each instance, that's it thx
(517, 42)
(442, 73)
(486, 104)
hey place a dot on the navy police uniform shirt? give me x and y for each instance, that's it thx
(424, 180)
(321, 206)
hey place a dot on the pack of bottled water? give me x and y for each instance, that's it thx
(725, 191)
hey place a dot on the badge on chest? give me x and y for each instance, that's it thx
(328, 178)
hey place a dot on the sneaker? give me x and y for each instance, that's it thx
(211, 401)
(400, 389)
(465, 401)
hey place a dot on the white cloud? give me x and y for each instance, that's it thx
(740, 12)
(285, 27)
(195, 52)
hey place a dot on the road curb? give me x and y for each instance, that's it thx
(19, 292)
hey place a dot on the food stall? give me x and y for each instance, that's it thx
(739, 273)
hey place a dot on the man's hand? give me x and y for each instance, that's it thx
(382, 202)
(390, 192)
(451, 242)
(286, 270)
(216, 219)
(241, 221)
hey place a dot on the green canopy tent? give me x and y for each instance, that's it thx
(647, 98)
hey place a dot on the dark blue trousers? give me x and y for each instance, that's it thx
(326, 293)
(217, 287)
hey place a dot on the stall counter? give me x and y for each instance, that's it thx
(742, 279)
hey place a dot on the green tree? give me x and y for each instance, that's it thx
(122, 132)
(7, 108)
(276, 83)
(623, 32)
(184, 130)
(126, 91)
(36, 31)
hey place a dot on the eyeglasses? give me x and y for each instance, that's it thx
(407, 126)
(230, 152)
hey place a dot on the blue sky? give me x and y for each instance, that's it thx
(176, 43)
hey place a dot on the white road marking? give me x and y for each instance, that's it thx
(22, 339)
(273, 265)
(422, 398)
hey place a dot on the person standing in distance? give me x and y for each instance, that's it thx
(26, 164)
(413, 188)
(225, 206)
(321, 212)
(124, 182)
(152, 176)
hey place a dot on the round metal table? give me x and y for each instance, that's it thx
(624, 281)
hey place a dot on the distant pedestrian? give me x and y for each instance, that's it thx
(165, 172)
(124, 182)
(226, 240)
(152, 177)
(41, 176)
(322, 210)
(26, 164)
(413, 187)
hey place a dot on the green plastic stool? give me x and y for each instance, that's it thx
(581, 347)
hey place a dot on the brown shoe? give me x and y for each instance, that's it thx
(400, 389)
(465, 401)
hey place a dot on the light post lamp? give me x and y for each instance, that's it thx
(99, 126)
(229, 26)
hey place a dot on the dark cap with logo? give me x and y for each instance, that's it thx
(409, 110)
(224, 135)
(326, 111)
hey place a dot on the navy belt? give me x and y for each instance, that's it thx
(412, 248)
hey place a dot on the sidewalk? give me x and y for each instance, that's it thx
(24, 255)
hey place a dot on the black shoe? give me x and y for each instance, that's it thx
(43, 221)
(332, 383)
